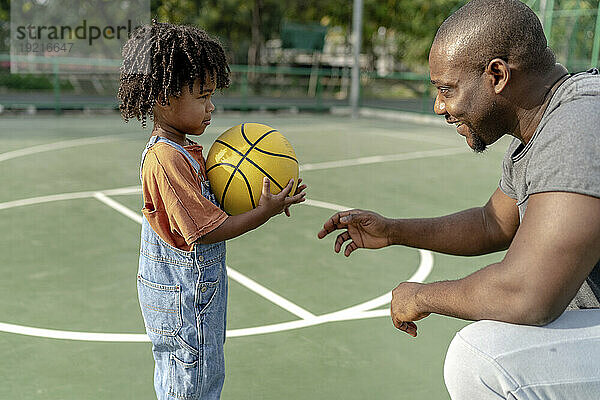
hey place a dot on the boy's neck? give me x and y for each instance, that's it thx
(175, 136)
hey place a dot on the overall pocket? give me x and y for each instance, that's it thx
(184, 376)
(161, 306)
(209, 284)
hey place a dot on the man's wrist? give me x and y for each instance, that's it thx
(420, 297)
(391, 232)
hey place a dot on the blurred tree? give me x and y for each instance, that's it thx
(4, 26)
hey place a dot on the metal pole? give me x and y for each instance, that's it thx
(548, 15)
(56, 86)
(596, 48)
(356, 35)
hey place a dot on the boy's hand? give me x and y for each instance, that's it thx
(274, 204)
(299, 190)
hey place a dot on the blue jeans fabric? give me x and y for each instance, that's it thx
(496, 360)
(183, 298)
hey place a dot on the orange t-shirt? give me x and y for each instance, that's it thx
(173, 201)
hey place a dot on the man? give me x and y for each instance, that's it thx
(495, 76)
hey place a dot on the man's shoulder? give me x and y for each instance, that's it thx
(583, 85)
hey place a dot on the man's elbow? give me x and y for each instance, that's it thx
(535, 311)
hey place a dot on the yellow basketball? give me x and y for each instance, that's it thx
(239, 160)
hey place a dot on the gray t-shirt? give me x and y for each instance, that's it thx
(563, 155)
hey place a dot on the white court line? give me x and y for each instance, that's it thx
(419, 276)
(58, 145)
(380, 159)
(118, 207)
(68, 196)
(268, 294)
(425, 267)
(324, 204)
(415, 137)
(235, 275)
(359, 311)
(143, 338)
(73, 335)
(304, 167)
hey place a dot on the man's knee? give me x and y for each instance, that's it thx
(469, 371)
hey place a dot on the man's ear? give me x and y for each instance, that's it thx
(499, 72)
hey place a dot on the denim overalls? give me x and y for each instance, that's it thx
(183, 297)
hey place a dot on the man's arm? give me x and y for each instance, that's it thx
(554, 250)
(475, 231)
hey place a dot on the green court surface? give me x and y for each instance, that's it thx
(69, 261)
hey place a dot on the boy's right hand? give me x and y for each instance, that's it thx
(273, 204)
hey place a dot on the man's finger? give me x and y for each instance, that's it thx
(333, 223)
(350, 248)
(329, 226)
(410, 328)
(339, 241)
(287, 211)
(405, 326)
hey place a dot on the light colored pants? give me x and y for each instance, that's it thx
(496, 360)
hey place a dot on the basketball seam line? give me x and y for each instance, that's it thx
(244, 135)
(249, 189)
(276, 154)
(247, 159)
(240, 163)
(230, 147)
(264, 172)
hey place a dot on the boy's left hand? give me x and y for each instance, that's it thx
(274, 204)
(299, 190)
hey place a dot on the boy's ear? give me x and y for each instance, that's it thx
(161, 101)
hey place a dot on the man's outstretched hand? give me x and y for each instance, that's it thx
(364, 229)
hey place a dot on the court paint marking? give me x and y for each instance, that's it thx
(268, 294)
(414, 137)
(305, 167)
(359, 311)
(68, 196)
(380, 159)
(235, 275)
(63, 144)
(118, 207)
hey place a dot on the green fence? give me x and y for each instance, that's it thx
(573, 30)
(92, 84)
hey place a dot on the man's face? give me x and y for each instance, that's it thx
(464, 99)
(190, 113)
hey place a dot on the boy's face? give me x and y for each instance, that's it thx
(189, 113)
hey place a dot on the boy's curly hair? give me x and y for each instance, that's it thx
(159, 59)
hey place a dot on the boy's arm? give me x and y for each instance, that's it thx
(269, 205)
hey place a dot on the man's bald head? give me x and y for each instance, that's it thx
(483, 30)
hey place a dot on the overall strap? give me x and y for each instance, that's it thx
(156, 139)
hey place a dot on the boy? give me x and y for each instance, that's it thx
(170, 73)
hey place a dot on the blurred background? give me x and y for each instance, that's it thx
(68, 163)
(297, 54)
